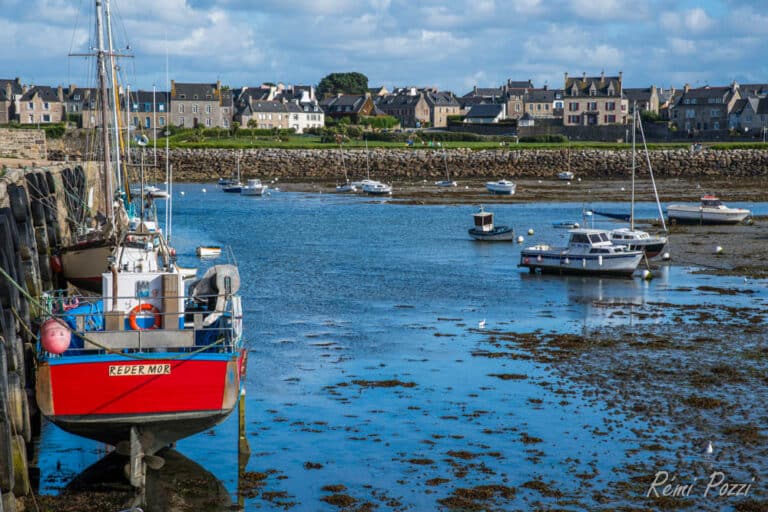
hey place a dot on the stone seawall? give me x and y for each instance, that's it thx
(28, 144)
(404, 165)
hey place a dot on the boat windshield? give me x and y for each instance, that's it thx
(579, 238)
(711, 203)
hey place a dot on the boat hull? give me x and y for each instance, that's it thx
(101, 397)
(698, 215)
(498, 234)
(82, 265)
(501, 189)
(559, 262)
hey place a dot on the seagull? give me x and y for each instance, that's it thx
(204, 191)
(708, 450)
(481, 324)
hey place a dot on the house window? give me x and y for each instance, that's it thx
(573, 107)
(690, 113)
(181, 109)
(147, 107)
(194, 109)
(207, 121)
(610, 118)
(161, 121)
(183, 96)
(147, 122)
(161, 107)
(715, 112)
(77, 97)
(136, 121)
(181, 121)
(46, 118)
(716, 125)
(46, 106)
(611, 105)
(31, 118)
(592, 105)
(226, 124)
(574, 119)
(207, 109)
(31, 106)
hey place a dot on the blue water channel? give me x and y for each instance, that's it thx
(339, 288)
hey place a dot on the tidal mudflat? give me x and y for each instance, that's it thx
(396, 365)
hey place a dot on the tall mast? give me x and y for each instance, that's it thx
(115, 94)
(632, 207)
(102, 65)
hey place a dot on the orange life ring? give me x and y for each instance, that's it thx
(144, 307)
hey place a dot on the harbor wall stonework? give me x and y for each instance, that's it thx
(205, 165)
(28, 144)
(408, 165)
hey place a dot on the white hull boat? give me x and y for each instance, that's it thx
(254, 187)
(710, 211)
(501, 187)
(589, 251)
(377, 188)
(637, 240)
(565, 175)
(347, 187)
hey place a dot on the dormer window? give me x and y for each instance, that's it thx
(610, 90)
(574, 90)
(194, 97)
(182, 96)
(593, 90)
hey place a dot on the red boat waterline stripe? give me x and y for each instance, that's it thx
(155, 358)
(190, 385)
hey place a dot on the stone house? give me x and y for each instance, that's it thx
(646, 99)
(594, 101)
(353, 106)
(511, 93)
(442, 104)
(279, 114)
(41, 104)
(11, 91)
(749, 115)
(486, 113)
(196, 104)
(543, 103)
(149, 111)
(408, 105)
(704, 108)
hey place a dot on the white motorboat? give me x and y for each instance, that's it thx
(638, 240)
(565, 175)
(376, 188)
(501, 187)
(589, 251)
(254, 187)
(485, 230)
(208, 251)
(710, 211)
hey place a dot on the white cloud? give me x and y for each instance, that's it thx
(691, 22)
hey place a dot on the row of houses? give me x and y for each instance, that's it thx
(583, 101)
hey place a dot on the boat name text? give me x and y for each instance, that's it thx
(124, 370)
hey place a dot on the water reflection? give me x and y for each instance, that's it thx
(181, 484)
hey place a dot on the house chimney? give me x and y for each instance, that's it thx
(566, 77)
(734, 86)
(8, 91)
(584, 77)
(602, 76)
(60, 93)
(475, 89)
(686, 88)
(173, 88)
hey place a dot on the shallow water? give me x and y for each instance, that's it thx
(344, 288)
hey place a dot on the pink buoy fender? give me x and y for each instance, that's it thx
(55, 336)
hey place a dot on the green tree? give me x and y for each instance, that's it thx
(344, 83)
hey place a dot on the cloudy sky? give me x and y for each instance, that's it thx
(451, 44)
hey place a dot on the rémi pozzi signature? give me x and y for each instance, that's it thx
(716, 485)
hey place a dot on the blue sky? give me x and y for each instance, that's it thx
(451, 44)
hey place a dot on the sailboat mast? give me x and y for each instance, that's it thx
(632, 204)
(115, 94)
(102, 65)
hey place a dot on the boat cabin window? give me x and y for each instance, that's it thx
(595, 238)
(710, 203)
(604, 237)
(579, 238)
(599, 251)
(483, 220)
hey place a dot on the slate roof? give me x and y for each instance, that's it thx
(398, 100)
(45, 92)
(339, 104)
(708, 92)
(602, 86)
(762, 107)
(489, 110)
(753, 89)
(15, 88)
(194, 92)
(738, 106)
(493, 92)
(441, 99)
(635, 94)
(527, 84)
(541, 96)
